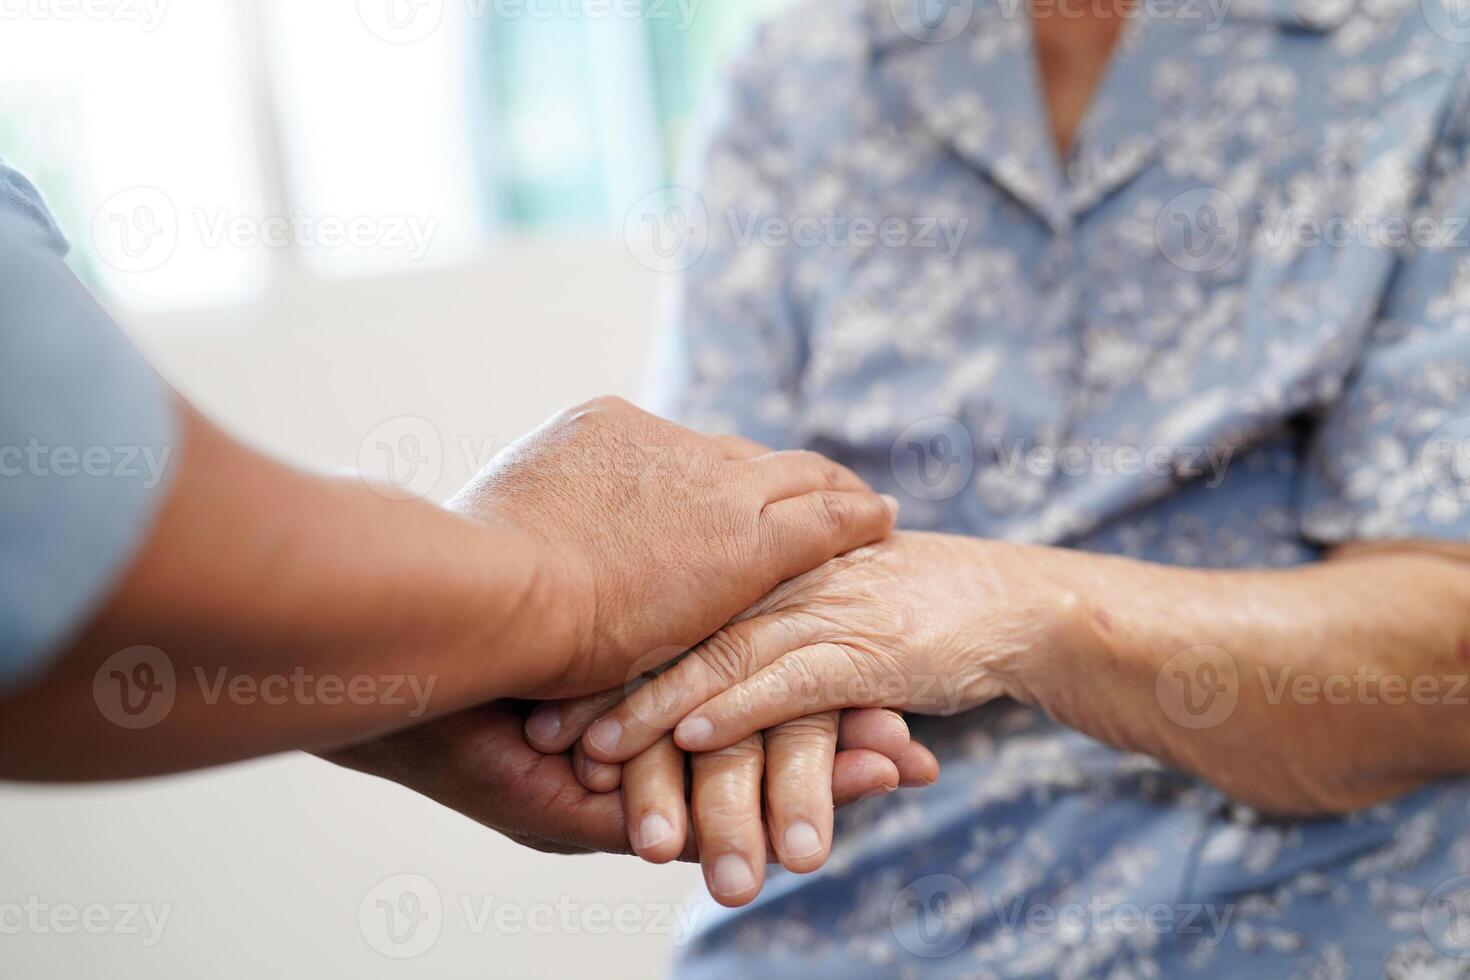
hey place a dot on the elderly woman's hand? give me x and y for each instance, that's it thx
(920, 622)
(801, 769)
(1304, 691)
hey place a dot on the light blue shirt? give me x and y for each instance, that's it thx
(87, 435)
(1232, 330)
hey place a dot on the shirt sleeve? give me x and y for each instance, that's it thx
(87, 432)
(1390, 459)
(729, 354)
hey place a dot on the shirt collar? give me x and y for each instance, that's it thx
(966, 70)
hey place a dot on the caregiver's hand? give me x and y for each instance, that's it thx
(916, 622)
(604, 542)
(654, 536)
(478, 763)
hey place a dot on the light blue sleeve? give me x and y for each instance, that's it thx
(730, 352)
(87, 436)
(1391, 458)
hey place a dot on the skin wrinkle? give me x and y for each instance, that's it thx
(1036, 635)
(1317, 620)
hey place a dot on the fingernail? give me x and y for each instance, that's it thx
(544, 725)
(893, 505)
(873, 794)
(732, 875)
(653, 831)
(605, 734)
(802, 840)
(694, 732)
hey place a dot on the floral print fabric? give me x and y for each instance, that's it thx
(1232, 329)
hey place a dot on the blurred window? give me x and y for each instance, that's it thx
(196, 152)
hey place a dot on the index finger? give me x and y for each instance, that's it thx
(800, 533)
(711, 668)
(796, 472)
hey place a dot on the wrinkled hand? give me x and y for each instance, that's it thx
(652, 536)
(925, 623)
(479, 763)
(801, 770)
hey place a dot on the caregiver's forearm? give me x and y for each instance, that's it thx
(1312, 690)
(283, 610)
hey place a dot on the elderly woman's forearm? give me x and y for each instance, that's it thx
(1313, 690)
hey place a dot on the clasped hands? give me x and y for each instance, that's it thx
(787, 699)
(745, 558)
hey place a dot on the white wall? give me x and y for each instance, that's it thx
(263, 865)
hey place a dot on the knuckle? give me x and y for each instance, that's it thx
(737, 441)
(803, 679)
(827, 474)
(728, 656)
(652, 704)
(728, 820)
(610, 403)
(874, 683)
(601, 405)
(748, 749)
(834, 511)
(814, 730)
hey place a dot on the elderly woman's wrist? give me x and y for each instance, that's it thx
(1064, 636)
(1056, 618)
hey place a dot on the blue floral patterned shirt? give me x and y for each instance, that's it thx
(1231, 329)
